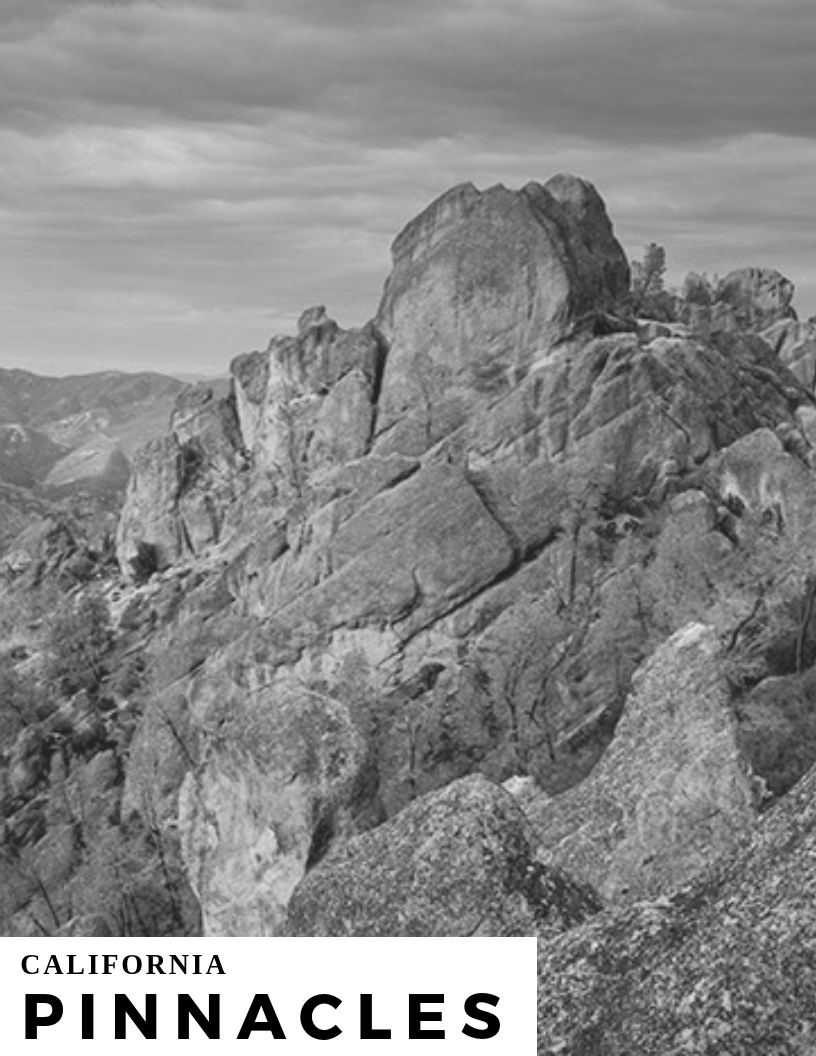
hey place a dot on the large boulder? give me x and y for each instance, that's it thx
(795, 344)
(753, 299)
(183, 484)
(483, 285)
(672, 791)
(287, 775)
(724, 966)
(456, 862)
(307, 403)
(582, 203)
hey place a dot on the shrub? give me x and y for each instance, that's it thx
(146, 562)
(80, 639)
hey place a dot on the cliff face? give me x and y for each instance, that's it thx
(503, 534)
(454, 535)
(483, 286)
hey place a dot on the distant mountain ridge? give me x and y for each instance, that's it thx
(36, 400)
(78, 431)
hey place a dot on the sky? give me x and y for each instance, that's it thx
(179, 179)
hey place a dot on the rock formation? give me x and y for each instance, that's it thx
(672, 792)
(292, 777)
(456, 862)
(755, 298)
(471, 576)
(795, 344)
(483, 286)
(725, 965)
(504, 534)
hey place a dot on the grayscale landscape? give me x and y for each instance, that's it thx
(491, 615)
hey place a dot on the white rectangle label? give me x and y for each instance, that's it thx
(472, 995)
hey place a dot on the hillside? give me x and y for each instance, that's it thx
(58, 435)
(494, 616)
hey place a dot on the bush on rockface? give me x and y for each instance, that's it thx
(19, 701)
(79, 643)
(777, 729)
(145, 563)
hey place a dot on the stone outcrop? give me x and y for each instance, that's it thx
(428, 598)
(795, 344)
(483, 285)
(292, 778)
(396, 567)
(183, 483)
(753, 299)
(455, 862)
(725, 965)
(748, 300)
(672, 791)
(470, 577)
(307, 404)
(582, 203)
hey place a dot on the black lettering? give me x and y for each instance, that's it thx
(132, 971)
(154, 964)
(210, 1024)
(215, 965)
(123, 1008)
(261, 1003)
(308, 1023)
(367, 1031)
(87, 1017)
(33, 1021)
(30, 971)
(416, 1016)
(491, 1023)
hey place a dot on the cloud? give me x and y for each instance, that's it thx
(189, 167)
(609, 69)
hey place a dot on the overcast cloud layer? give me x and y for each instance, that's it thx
(179, 180)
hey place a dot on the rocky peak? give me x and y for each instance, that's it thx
(795, 344)
(672, 792)
(434, 222)
(497, 537)
(581, 201)
(308, 402)
(756, 297)
(483, 285)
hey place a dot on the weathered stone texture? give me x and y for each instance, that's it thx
(671, 793)
(725, 965)
(285, 778)
(462, 528)
(455, 862)
(483, 285)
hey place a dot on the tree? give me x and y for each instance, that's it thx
(145, 563)
(649, 296)
(15, 702)
(80, 640)
(698, 289)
